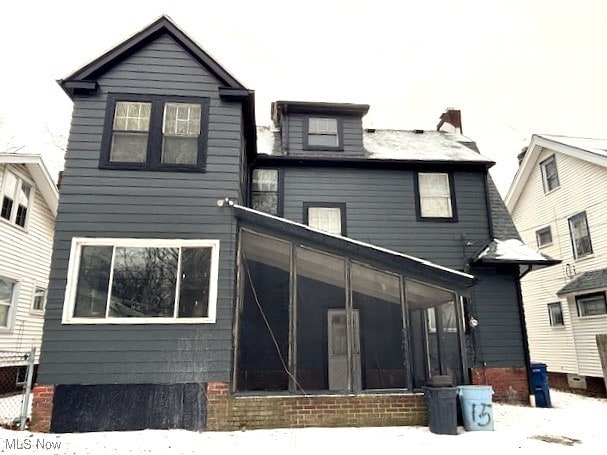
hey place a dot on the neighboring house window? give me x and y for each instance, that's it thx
(580, 235)
(8, 296)
(543, 237)
(264, 191)
(591, 304)
(550, 176)
(434, 196)
(323, 133)
(326, 217)
(17, 195)
(39, 299)
(155, 132)
(142, 281)
(555, 312)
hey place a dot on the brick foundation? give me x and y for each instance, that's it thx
(510, 385)
(595, 387)
(228, 413)
(42, 408)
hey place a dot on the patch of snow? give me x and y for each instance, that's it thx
(574, 424)
(513, 250)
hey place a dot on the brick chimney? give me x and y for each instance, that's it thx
(452, 117)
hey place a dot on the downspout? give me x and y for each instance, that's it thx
(525, 337)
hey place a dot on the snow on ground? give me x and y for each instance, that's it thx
(574, 424)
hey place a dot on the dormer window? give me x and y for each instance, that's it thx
(323, 133)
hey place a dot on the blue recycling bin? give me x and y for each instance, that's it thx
(477, 407)
(539, 385)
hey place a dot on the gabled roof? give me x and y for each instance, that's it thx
(84, 79)
(391, 146)
(587, 149)
(418, 268)
(587, 281)
(39, 173)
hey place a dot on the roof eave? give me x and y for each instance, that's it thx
(92, 70)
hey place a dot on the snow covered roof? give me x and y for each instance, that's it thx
(593, 150)
(396, 145)
(513, 251)
(587, 281)
(422, 267)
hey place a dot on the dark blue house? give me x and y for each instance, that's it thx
(211, 274)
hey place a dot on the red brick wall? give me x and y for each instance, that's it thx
(510, 385)
(226, 413)
(42, 408)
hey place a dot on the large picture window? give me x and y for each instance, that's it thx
(155, 132)
(141, 281)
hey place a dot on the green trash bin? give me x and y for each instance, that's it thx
(477, 407)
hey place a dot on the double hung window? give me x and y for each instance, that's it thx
(264, 191)
(326, 217)
(17, 196)
(550, 175)
(580, 235)
(8, 296)
(323, 133)
(155, 132)
(555, 313)
(435, 200)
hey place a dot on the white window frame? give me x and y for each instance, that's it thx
(33, 309)
(446, 195)
(14, 300)
(30, 203)
(570, 221)
(74, 267)
(538, 235)
(581, 299)
(544, 166)
(551, 317)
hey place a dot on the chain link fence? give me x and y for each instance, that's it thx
(16, 377)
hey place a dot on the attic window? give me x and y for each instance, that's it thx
(323, 133)
(550, 174)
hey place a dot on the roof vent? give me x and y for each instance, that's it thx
(418, 131)
(370, 130)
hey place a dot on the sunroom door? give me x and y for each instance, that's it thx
(338, 350)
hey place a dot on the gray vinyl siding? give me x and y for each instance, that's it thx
(499, 334)
(352, 133)
(145, 204)
(380, 209)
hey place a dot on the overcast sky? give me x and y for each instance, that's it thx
(514, 67)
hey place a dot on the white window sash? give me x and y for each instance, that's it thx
(74, 268)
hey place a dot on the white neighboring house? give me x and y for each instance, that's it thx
(28, 198)
(558, 202)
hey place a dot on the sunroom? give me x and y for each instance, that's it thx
(324, 314)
